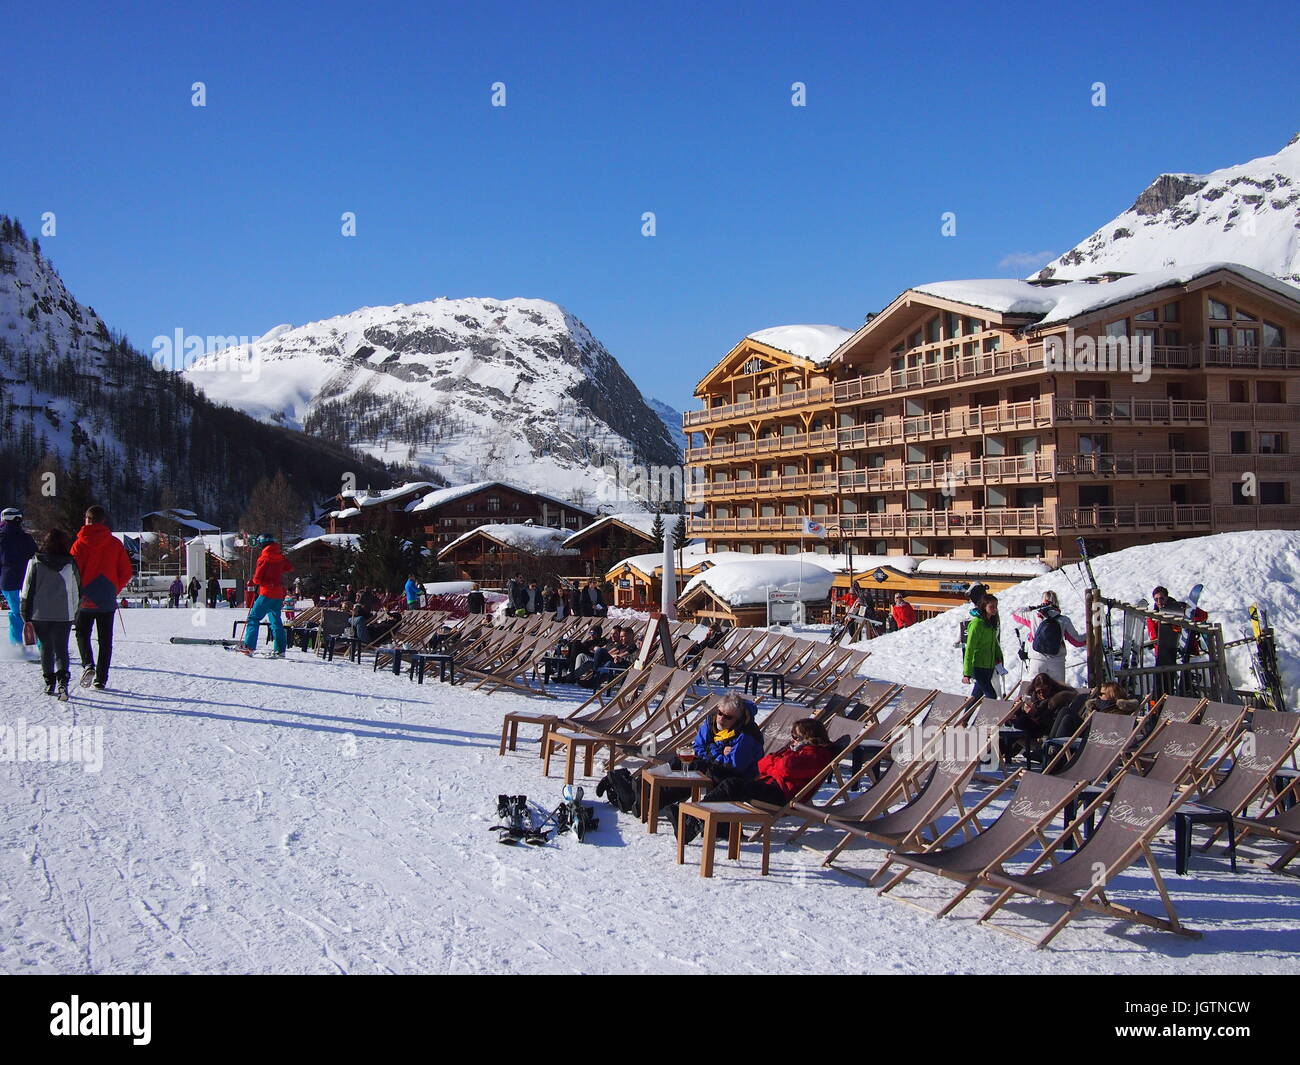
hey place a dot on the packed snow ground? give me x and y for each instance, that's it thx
(310, 817)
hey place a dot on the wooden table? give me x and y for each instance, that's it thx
(653, 782)
(713, 814)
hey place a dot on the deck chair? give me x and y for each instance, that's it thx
(845, 667)
(961, 750)
(1179, 708)
(1028, 813)
(822, 657)
(1255, 762)
(1138, 810)
(903, 704)
(1276, 821)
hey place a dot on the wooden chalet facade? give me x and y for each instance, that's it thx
(944, 426)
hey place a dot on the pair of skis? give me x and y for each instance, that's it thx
(229, 645)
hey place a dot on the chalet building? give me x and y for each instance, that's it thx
(176, 522)
(966, 420)
(491, 554)
(611, 538)
(426, 514)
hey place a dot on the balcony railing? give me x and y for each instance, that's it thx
(823, 440)
(807, 397)
(1255, 413)
(1134, 517)
(1134, 464)
(949, 475)
(779, 524)
(941, 372)
(762, 486)
(1263, 516)
(988, 521)
(1132, 411)
(1250, 358)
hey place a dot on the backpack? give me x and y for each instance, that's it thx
(1047, 637)
(622, 791)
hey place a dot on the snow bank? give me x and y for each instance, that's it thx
(985, 567)
(1237, 569)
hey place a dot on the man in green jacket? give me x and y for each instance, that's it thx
(983, 649)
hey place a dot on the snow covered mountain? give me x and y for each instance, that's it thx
(672, 419)
(78, 399)
(1249, 214)
(474, 389)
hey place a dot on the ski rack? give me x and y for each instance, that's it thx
(1206, 675)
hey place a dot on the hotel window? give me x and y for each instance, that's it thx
(1220, 337)
(917, 547)
(1027, 445)
(791, 549)
(1170, 312)
(875, 505)
(951, 325)
(880, 547)
(1239, 442)
(790, 469)
(767, 510)
(1239, 497)
(821, 508)
(914, 341)
(849, 506)
(969, 349)
(932, 330)
(1219, 311)
(992, 344)
(1274, 337)
(875, 461)
(469, 508)
(917, 501)
(1270, 392)
(493, 504)
(1238, 391)
(1029, 496)
(1272, 444)
(1247, 338)
(1272, 493)
(1145, 316)
(1032, 549)
(1117, 329)
(971, 325)
(790, 510)
(1245, 316)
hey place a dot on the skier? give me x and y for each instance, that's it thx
(16, 550)
(1049, 630)
(51, 592)
(268, 576)
(105, 570)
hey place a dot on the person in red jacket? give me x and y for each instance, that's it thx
(268, 575)
(105, 570)
(903, 612)
(784, 773)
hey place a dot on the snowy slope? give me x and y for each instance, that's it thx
(1249, 213)
(1237, 569)
(477, 389)
(305, 816)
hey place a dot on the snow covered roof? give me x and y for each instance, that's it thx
(187, 519)
(815, 342)
(1060, 303)
(346, 512)
(441, 496)
(223, 545)
(985, 567)
(366, 497)
(331, 539)
(532, 539)
(640, 520)
(741, 583)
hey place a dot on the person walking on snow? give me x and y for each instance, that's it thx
(50, 595)
(105, 570)
(269, 577)
(174, 592)
(983, 654)
(194, 589)
(1049, 631)
(413, 592)
(16, 550)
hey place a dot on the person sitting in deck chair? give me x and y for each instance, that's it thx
(1037, 716)
(781, 774)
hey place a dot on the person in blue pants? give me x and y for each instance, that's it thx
(269, 578)
(16, 550)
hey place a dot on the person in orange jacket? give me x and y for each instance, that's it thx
(105, 570)
(268, 575)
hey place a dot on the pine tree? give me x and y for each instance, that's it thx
(680, 538)
(275, 510)
(657, 529)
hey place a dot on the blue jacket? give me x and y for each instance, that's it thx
(413, 592)
(746, 749)
(16, 549)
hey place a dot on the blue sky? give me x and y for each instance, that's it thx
(226, 219)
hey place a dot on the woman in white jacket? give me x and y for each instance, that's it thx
(50, 595)
(1049, 632)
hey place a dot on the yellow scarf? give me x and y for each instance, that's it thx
(725, 734)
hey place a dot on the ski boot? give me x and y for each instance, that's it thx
(49, 683)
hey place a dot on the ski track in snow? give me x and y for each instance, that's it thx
(311, 817)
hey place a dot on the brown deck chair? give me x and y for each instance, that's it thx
(845, 667)
(607, 718)
(1276, 821)
(953, 771)
(1109, 736)
(1139, 809)
(842, 693)
(1179, 708)
(647, 719)
(902, 704)
(821, 657)
(1028, 813)
(1255, 763)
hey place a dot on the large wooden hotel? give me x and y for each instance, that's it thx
(946, 426)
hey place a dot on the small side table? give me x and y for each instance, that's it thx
(755, 677)
(713, 814)
(656, 778)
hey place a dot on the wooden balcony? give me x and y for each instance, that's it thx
(1243, 358)
(989, 521)
(984, 366)
(823, 440)
(1263, 516)
(1262, 465)
(1267, 414)
(778, 525)
(949, 475)
(802, 483)
(1106, 465)
(1130, 412)
(1141, 517)
(820, 396)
